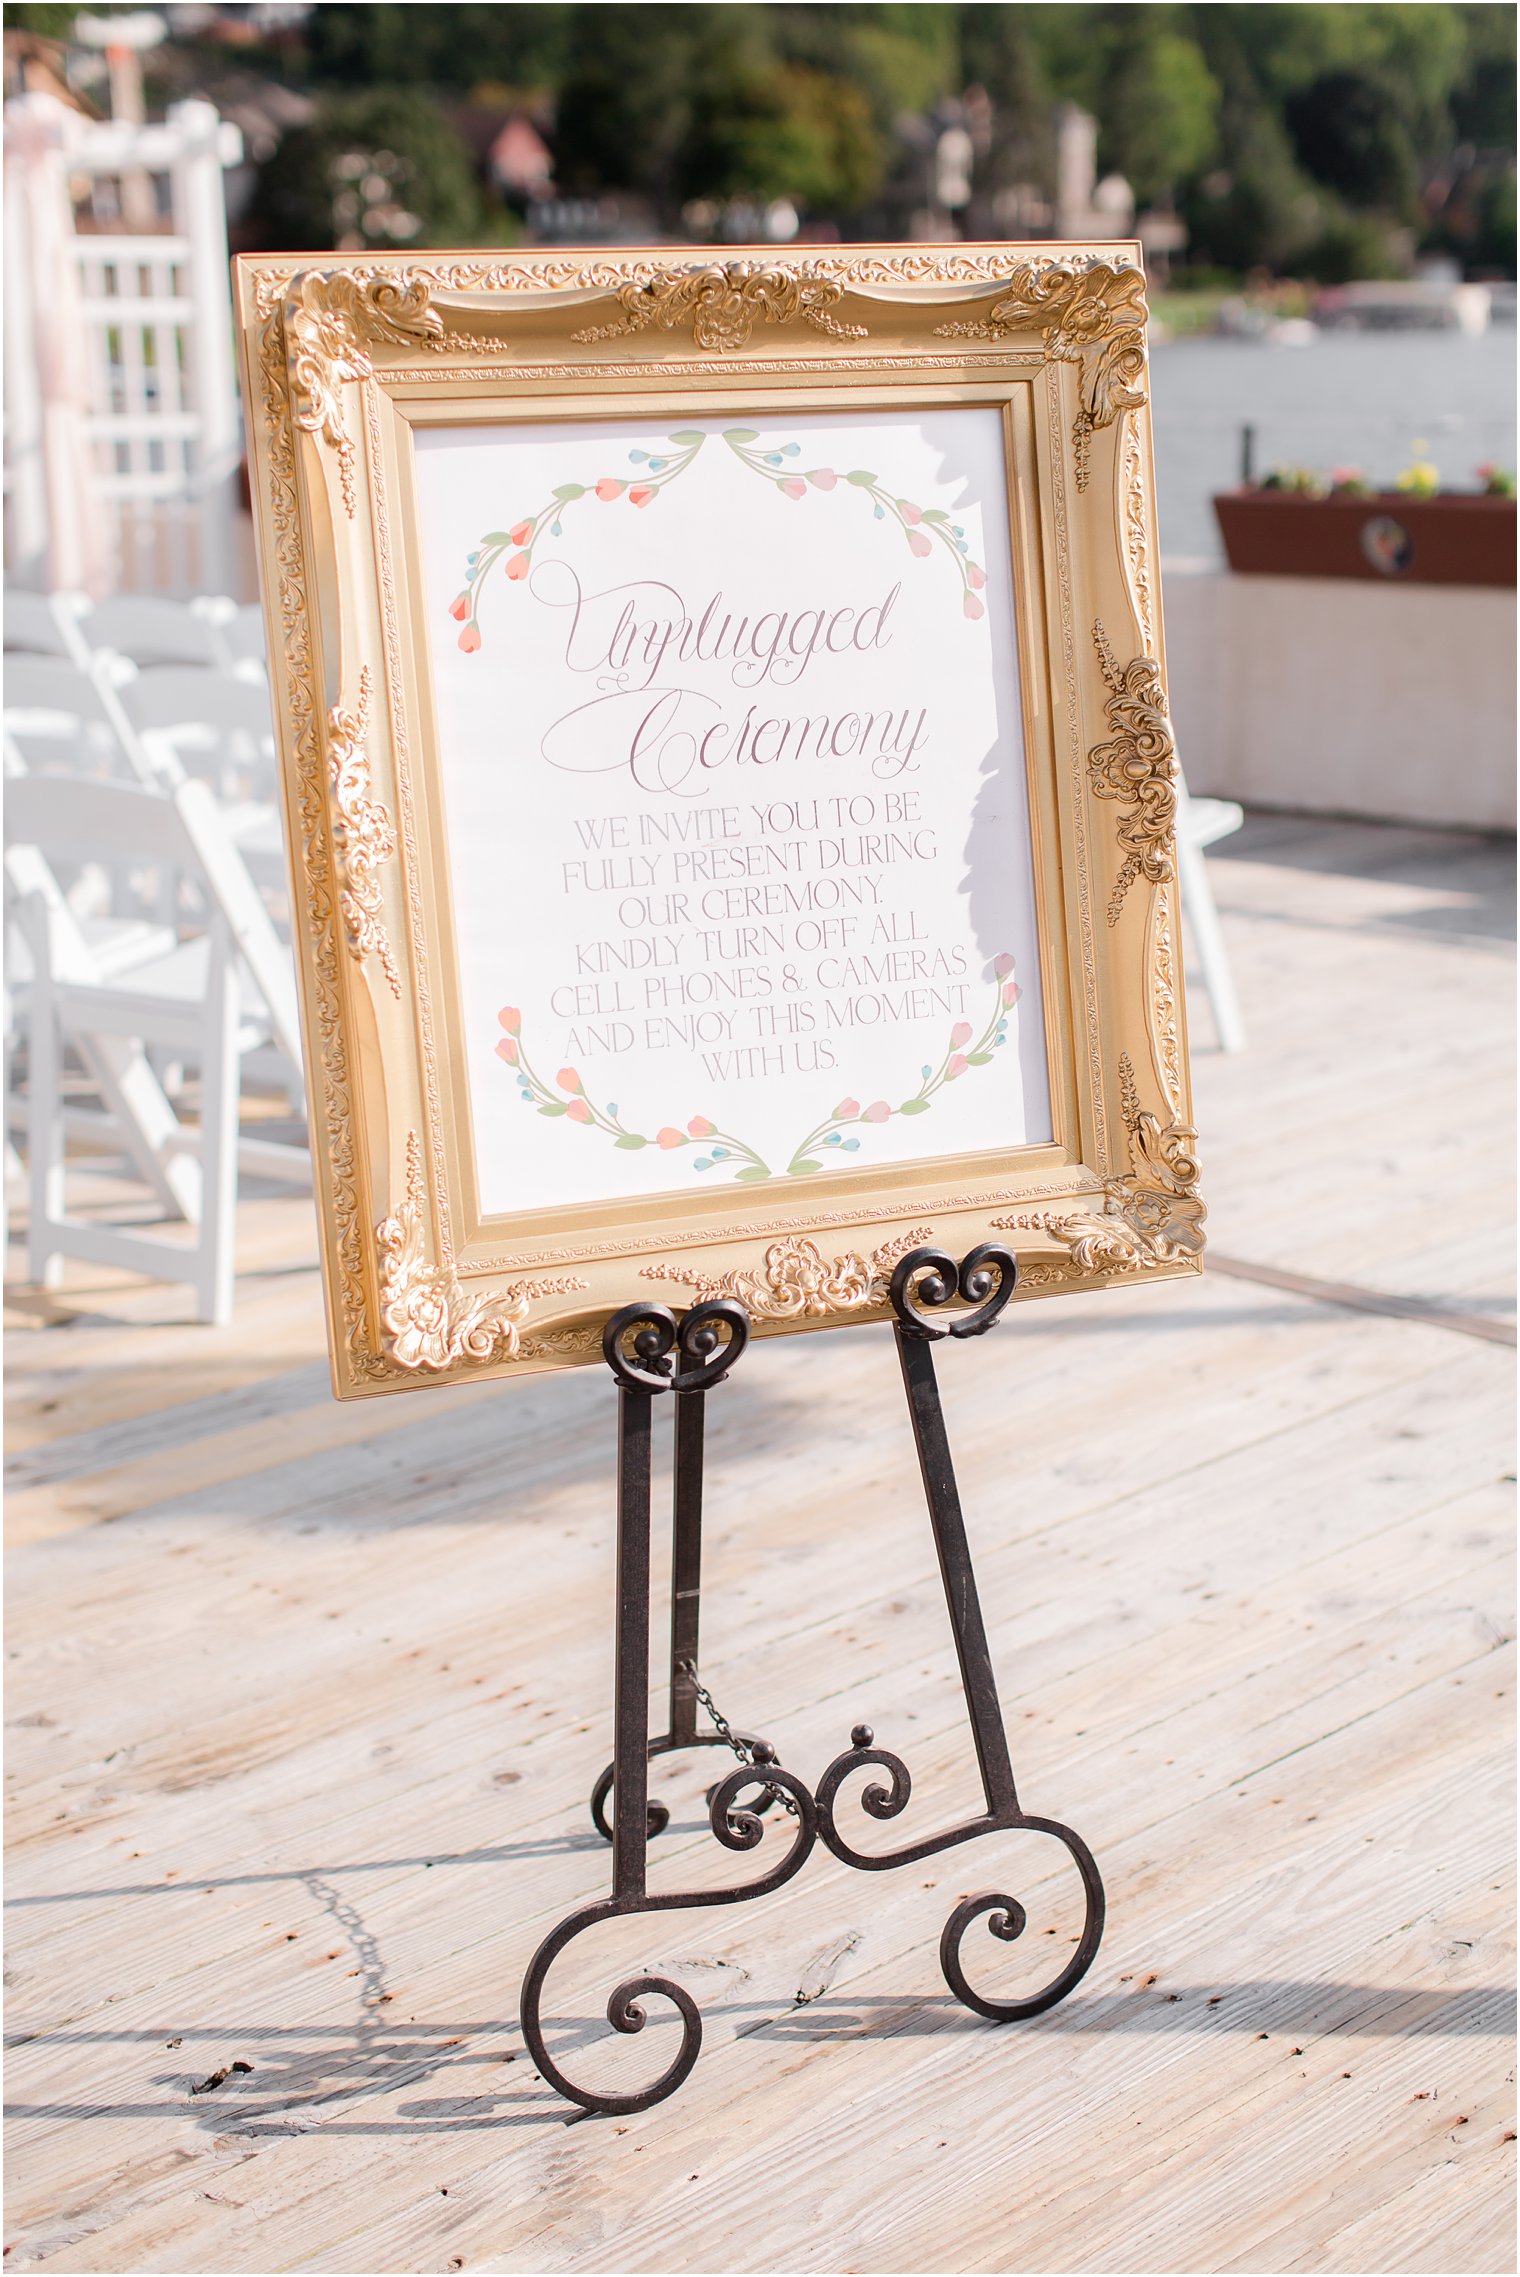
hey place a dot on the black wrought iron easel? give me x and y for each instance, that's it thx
(650, 1352)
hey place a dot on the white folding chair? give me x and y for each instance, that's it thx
(211, 999)
(212, 723)
(154, 630)
(218, 726)
(242, 634)
(1200, 823)
(60, 715)
(47, 624)
(134, 1099)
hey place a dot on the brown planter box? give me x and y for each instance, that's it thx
(1400, 540)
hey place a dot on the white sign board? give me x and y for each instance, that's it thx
(737, 818)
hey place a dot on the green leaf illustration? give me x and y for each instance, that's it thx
(496, 538)
(554, 1110)
(799, 1167)
(748, 1176)
(570, 490)
(687, 436)
(631, 1141)
(914, 1107)
(978, 1059)
(861, 477)
(734, 435)
(935, 514)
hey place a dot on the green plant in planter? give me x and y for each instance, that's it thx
(1497, 481)
(1295, 481)
(1349, 482)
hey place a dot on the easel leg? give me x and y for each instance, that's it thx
(630, 1729)
(966, 1623)
(924, 1282)
(685, 1619)
(686, 1568)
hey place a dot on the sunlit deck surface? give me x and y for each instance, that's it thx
(305, 1702)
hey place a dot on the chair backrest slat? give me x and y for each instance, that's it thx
(92, 821)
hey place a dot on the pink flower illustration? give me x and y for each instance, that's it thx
(1002, 965)
(847, 1110)
(518, 566)
(568, 1080)
(1011, 992)
(578, 1111)
(610, 487)
(469, 639)
(973, 607)
(640, 494)
(958, 1066)
(960, 1034)
(507, 1050)
(511, 1019)
(824, 478)
(521, 534)
(668, 1138)
(877, 1112)
(909, 512)
(977, 577)
(700, 1127)
(460, 608)
(794, 487)
(920, 543)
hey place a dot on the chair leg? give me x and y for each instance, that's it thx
(1203, 917)
(220, 1083)
(45, 1137)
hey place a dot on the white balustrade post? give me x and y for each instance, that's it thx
(25, 480)
(43, 134)
(206, 146)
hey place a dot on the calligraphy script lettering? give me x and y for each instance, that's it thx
(671, 736)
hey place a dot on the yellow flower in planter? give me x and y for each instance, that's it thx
(1422, 477)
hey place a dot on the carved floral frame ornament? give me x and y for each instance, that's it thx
(339, 353)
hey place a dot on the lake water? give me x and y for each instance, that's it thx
(1343, 399)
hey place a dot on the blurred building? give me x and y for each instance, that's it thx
(509, 150)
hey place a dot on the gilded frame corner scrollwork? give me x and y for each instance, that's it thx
(1090, 311)
(331, 346)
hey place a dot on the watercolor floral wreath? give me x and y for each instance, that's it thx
(722, 1149)
(925, 529)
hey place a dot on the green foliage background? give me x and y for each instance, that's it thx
(1296, 138)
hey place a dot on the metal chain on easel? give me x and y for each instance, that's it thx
(730, 1738)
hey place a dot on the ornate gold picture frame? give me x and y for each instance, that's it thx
(482, 1218)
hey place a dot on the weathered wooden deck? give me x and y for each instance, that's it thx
(304, 1703)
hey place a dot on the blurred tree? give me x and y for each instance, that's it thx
(40, 16)
(628, 101)
(1073, 45)
(525, 45)
(1483, 100)
(381, 168)
(1494, 247)
(1350, 130)
(797, 134)
(1259, 211)
(904, 57)
(1349, 245)
(1000, 54)
(1159, 106)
